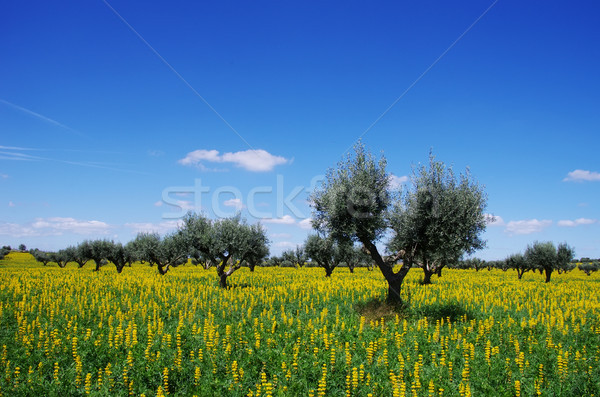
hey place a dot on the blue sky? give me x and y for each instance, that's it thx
(111, 112)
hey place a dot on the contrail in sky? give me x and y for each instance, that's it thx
(40, 117)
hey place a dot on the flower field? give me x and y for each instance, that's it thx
(292, 332)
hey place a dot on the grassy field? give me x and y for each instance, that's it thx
(288, 332)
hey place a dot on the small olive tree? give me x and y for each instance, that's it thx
(95, 250)
(229, 243)
(120, 255)
(75, 254)
(546, 257)
(59, 257)
(518, 263)
(40, 256)
(589, 267)
(164, 253)
(5, 251)
(352, 255)
(323, 251)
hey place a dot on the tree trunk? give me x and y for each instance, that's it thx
(162, 270)
(328, 271)
(251, 267)
(394, 287)
(548, 274)
(439, 271)
(428, 274)
(520, 273)
(223, 280)
(394, 279)
(351, 268)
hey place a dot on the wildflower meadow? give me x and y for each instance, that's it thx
(293, 332)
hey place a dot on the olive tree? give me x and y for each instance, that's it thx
(353, 203)
(439, 218)
(434, 223)
(518, 263)
(546, 257)
(41, 256)
(293, 257)
(472, 263)
(94, 250)
(78, 254)
(288, 256)
(322, 251)
(229, 243)
(4, 251)
(197, 258)
(276, 261)
(120, 255)
(589, 267)
(352, 255)
(163, 253)
(256, 246)
(59, 257)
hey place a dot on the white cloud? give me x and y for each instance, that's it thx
(577, 222)
(285, 220)
(159, 203)
(284, 244)
(54, 226)
(252, 160)
(16, 230)
(234, 202)
(397, 181)
(11, 204)
(185, 205)
(198, 155)
(527, 226)
(305, 224)
(281, 235)
(160, 228)
(582, 175)
(3, 176)
(71, 225)
(494, 220)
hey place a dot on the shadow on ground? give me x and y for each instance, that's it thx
(437, 311)
(376, 309)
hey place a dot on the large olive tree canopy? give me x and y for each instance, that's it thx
(438, 218)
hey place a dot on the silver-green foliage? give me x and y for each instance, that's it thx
(437, 220)
(546, 257)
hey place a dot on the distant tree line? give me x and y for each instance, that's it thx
(544, 257)
(227, 244)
